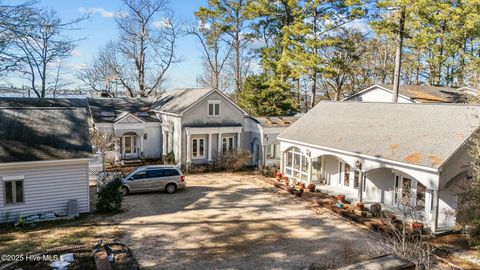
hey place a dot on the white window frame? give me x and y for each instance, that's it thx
(293, 172)
(229, 146)
(272, 151)
(213, 103)
(198, 156)
(13, 179)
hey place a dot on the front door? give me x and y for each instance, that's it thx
(129, 146)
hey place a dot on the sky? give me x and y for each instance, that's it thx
(100, 28)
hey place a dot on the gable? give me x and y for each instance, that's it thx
(127, 118)
(377, 94)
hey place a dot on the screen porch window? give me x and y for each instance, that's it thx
(213, 108)
(198, 148)
(297, 165)
(13, 191)
(346, 175)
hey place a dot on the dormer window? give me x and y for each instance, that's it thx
(214, 108)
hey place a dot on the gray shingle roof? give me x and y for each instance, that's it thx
(15, 102)
(428, 93)
(419, 134)
(178, 100)
(276, 121)
(107, 110)
(38, 134)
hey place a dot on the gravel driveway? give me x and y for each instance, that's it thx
(227, 221)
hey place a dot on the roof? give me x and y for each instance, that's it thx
(424, 93)
(418, 134)
(179, 100)
(276, 121)
(16, 102)
(110, 110)
(40, 134)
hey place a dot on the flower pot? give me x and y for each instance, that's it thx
(341, 198)
(301, 186)
(279, 176)
(360, 206)
(311, 187)
(417, 226)
(285, 180)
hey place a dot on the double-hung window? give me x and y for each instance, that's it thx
(13, 190)
(214, 108)
(198, 148)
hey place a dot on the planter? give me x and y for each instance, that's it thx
(285, 180)
(279, 176)
(360, 206)
(301, 186)
(339, 205)
(417, 226)
(341, 198)
(311, 187)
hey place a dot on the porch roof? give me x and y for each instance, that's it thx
(419, 134)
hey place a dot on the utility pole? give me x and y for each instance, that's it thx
(398, 55)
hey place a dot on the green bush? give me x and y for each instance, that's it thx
(109, 193)
(170, 158)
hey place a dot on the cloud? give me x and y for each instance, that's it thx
(98, 10)
(76, 53)
(163, 23)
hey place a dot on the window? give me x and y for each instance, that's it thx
(13, 190)
(139, 175)
(421, 189)
(346, 175)
(198, 148)
(154, 173)
(356, 179)
(170, 172)
(297, 165)
(271, 150)
(227, 144)
(213, 108)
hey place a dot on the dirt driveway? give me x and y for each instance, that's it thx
(226, 221)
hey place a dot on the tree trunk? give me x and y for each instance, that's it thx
(398, 56)
(314, 90)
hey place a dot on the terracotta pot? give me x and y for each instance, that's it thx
(279, 176)
(285, 180)
(341, 198)
(301, 186)
(360, 206)
(311, 187)
(417, 226)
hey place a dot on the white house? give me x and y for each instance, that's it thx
(44, 153)
(379, 152)
(410, 94)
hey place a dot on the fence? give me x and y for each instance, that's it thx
(96, 165)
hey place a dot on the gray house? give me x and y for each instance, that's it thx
(44, 153)
(385, 152)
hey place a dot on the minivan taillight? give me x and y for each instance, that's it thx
(182, 178)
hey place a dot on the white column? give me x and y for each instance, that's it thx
(282, 162)
(189, 148)
(141, 146)
(310, 160)
(164, 142)
(238, 141)
(360, 186)
(219, 145)
(210, 147)
(434, 223)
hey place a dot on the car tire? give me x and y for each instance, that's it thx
(171, 188)
(124, 191)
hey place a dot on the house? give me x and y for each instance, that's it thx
(410, 94)
(131, 121)
(385, 152)
(44, 153)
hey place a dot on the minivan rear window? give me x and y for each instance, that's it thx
(170, 172)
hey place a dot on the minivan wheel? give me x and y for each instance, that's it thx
(170, 188)
(124, 191)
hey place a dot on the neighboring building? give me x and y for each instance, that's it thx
(131, 121)
(44, 153)
(267, 149)
(378, 152)
(410, 94)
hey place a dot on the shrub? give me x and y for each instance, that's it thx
(109, 193)
(170, 158)
(236, 160)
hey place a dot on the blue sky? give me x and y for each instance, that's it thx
(101, 28)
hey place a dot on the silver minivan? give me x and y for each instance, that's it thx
(152, 178)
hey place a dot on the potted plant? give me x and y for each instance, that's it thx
(417, 226)
(285, 180)
(311, 187)
(341, 198)
(360, 206)
(279, 176)
(301, 186)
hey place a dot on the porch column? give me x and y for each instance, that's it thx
(434, 224)
(210, 147)
(238, 141)
(164, 143)
(282, 162)
(360, 186)
(310, 160)
(189, 150)
(141, 146)
(219, 146)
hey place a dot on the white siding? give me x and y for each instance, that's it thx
(49, 188)
(378, 95)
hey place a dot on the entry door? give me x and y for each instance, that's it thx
(129, 146)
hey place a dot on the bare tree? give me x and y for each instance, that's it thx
(43, 46)
(216, 51)
(146, 47)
